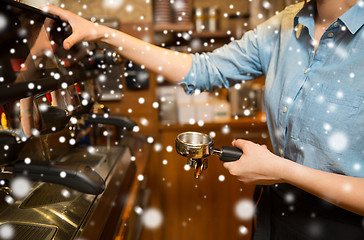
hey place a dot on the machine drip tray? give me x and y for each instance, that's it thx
(85, 158)
(29, 231)
(49, 193)
(53, 211)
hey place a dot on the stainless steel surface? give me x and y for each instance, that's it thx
(65, 209)
(36, 107)
(194, 145)
(29, 231)
(198, 166)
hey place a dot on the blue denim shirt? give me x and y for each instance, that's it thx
(314, 103)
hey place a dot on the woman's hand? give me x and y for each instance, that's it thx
(257, 165)
(82, 29)
(171, 64)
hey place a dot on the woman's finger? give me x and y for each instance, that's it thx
(240, 143)
(63, 14)
(70, 41)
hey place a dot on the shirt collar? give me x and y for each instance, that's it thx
(305, 17)
(353, 18)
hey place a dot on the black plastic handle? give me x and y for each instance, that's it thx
(123, 122)
(230, 154)
(78, 177)
(10, 147)
(54, 119)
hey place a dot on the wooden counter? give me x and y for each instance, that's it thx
(130, 224)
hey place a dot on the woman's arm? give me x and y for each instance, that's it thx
(26, 116)
(260, 166)
(171, 64)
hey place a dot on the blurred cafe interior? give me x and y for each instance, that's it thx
(88, 138)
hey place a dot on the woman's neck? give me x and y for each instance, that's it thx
(330, 10)
(327, 12)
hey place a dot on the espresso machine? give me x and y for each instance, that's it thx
(72, 189)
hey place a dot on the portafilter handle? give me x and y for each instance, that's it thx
(228, 154)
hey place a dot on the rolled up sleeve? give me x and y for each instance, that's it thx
(235, 62)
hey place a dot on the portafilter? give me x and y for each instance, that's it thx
(198, 146)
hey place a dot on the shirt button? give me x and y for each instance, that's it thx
(330, 35)
(307, 70)
(281, 151)
(285, 109)
(336, 24)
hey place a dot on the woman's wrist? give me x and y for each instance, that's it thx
(106, 34)
(282, 169)
(291, 171)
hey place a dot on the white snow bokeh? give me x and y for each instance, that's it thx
(243, 230)
(338, 141)
(6, 231)
(339, 94)
(289, 198)
(357, 166)
(91, 150)
(112, 4)
(3, 22)
(20, 187)
(136, 129)
(347, 187)
(152, 218)
(191, 121)
(150, 139)
(144, 122)
(138, 210)
(226, 129)
(129, 8)
(179, 5)
(244, 209)
(9, 199)
(221, 178)
(63, 174)
(169, 148)
(186, 167)
(157, 147)
(315, 230)
(62, 139)
(65, 193)
(212, 134)
(27, 160)
(72, 141)
(266, 5)
(141, 100)
(327, 127)
(140, 177)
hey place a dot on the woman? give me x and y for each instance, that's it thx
(312, 56)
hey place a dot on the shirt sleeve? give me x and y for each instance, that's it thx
(225, 66)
